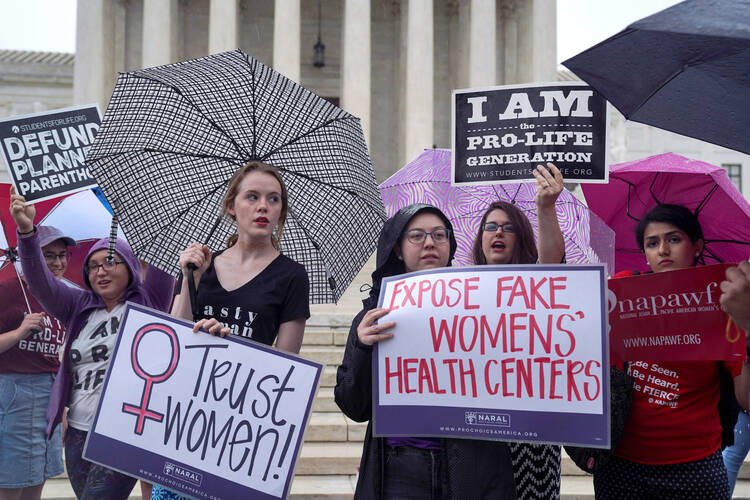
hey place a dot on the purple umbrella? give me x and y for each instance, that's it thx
(427, 180)
(636, 187)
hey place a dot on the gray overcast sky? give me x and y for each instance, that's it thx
(50, 24)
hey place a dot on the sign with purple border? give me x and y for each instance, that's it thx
(509, 353)
(207, 417)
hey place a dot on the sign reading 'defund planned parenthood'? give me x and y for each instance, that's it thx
(45, 152)
(500, 134)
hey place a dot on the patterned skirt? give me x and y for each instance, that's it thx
(536, 469)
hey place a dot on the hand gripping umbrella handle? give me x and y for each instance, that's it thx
(192, 292)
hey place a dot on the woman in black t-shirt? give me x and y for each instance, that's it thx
(249, 289)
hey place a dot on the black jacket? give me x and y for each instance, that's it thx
(472, 468)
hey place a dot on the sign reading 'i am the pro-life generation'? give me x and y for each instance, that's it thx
(500, 134)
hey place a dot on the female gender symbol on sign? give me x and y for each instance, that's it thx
(142, 411)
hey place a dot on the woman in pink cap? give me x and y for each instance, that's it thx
(29, 343)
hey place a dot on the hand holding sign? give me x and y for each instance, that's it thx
(369, 333)
(735, 296)
(22, 213)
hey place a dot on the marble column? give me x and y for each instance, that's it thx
(94, 73)
(482, 43)
(419, 101)
(159, 32)
(223, 26)
(356, 61)
(286, 38)
(537, 43)
(509, 11)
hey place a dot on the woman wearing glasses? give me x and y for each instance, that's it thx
(29, 345)
(91, 317)
(418, 237)
(505, 237)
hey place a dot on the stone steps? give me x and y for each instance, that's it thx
(330, 455)
(335, 487)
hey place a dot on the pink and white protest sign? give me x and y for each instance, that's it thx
(204, 416)
(672, 316)
(513, 353)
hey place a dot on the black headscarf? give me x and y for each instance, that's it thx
(387, 263)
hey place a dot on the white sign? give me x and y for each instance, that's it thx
(202, 415)
(512, 338)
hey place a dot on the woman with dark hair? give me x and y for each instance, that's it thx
(681, 411)
(91, 318)
(250, 289)
(505, 236)
(417, 237)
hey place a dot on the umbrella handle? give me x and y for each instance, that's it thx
(192, 291)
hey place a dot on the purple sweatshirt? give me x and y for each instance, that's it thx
(73, 306)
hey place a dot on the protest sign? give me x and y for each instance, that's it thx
(500, 134)
(45, 152)
(510, 353)
(208, 417)
(673, 316)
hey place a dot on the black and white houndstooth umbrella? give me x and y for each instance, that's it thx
(173, 135)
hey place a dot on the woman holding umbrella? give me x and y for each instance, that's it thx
(670, 446)
(250, 289)
(29, 345)
(505, 237)
(91, 318)
(417, 237)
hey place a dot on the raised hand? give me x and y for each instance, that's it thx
(549, 185)
(22, 213)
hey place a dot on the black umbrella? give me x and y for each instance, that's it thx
(172, 137)
(685, 69)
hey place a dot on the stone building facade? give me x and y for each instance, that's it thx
(393, 63)
(374, 63)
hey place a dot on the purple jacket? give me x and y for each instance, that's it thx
(73, 306)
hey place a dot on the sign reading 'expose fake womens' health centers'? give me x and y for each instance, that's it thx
(213, 418)
(500, 134)
(45, 152)
(509, 353)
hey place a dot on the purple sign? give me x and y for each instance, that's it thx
(509, 353)
(207, 417)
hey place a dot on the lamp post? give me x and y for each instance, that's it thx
(319, 47)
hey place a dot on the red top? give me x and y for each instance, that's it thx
(37, 353)
(673, 416)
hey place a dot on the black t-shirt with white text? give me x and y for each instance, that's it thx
(279, 293)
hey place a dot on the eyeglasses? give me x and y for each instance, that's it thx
(418, 236)
(492, 227)
(52, 257)
(106, 265)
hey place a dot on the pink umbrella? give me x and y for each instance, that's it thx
(427, 180)
(636, 187)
